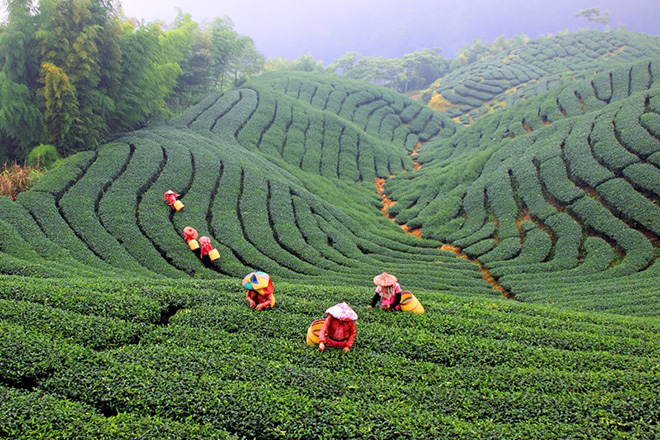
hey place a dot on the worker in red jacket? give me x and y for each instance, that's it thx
(205, 248)
(339, 328)
(171, 198)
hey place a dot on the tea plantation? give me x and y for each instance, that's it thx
(529, 230)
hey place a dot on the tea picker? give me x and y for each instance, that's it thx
(259, 290)
(388, 291)
(172, 199)
(339, 328)
(207, 252)
(190, 236)
(392, 297)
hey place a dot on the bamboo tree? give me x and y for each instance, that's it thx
(69, 39)
(21, 123)
(149, 75)
(58, 99)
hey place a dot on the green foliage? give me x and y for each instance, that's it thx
(413, 71)
(43, 156)
(75, 72)
(113, 328)
(199, 374)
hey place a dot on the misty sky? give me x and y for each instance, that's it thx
(329, 28)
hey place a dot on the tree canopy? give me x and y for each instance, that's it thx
(73, 72)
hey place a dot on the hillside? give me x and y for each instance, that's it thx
(535, 67)
(530, 231)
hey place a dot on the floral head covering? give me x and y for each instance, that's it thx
(343, 312)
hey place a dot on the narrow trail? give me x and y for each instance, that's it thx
(417, 232)
(485, 273)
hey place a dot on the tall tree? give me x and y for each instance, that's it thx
(21, 122)
(69, 40)
(227, 50)
(594, 15)
(74, 71)
(422, 67)
(58, 99)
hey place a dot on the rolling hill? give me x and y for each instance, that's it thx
(542, 187)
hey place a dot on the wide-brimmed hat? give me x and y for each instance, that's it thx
(343, 312)
(190, 232)
(258, 281)
(385, 279)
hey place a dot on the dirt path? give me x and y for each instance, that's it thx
(485, 273)
(417, 232)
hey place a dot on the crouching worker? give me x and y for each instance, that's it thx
(207, 253)
(190, 236)
(339, 328)
(172, 199)
(259, 290)
(388, 291)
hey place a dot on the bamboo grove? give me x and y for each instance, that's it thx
(75, 72)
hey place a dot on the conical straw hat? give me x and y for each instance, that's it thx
(385, 279)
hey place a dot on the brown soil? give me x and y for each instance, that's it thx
(584, 107)
(519, 221)
(416, 165)
(485, 273)
(417, 232)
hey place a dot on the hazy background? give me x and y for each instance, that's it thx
(330, 28)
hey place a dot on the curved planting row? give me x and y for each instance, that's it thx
(260, 212)
(567, 100)
(554, 207)
(454, 163)
(184, 359)
(536, 67)
(318, 142)
(379, 112)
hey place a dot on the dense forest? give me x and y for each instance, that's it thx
(519, 201)
(72, 73)
(75, 73)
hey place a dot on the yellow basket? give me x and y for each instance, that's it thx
(410, 303)
(178, 205)
(313, 332)
(214, 255)
(194, 244)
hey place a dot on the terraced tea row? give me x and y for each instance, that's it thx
(110, 214)
(186, 358)
(553, 206)
(536, 67)
(568, 100)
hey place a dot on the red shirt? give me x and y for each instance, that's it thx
(338, 331)
(260, 301)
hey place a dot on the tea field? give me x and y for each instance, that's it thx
(526, 219)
